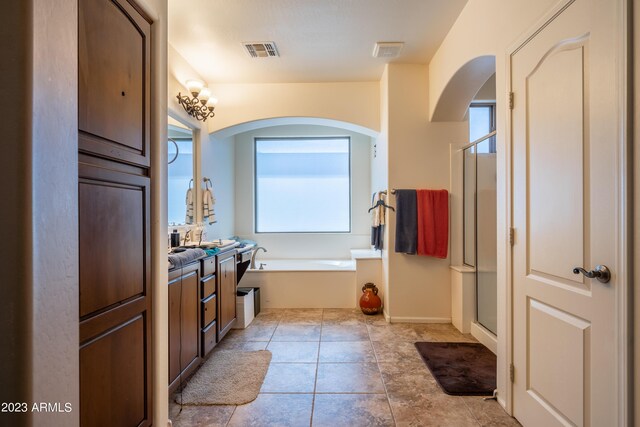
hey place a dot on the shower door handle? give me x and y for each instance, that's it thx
(601, 272)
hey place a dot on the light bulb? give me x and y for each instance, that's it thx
(212, 102)
(195, 86)
(204, 96)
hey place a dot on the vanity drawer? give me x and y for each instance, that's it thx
(208, 266)
(245, 256)
(208, 339)
(208, 287)
(208, 310)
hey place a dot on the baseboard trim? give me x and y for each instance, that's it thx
(485, 337)
(396, 319)
(501, 402)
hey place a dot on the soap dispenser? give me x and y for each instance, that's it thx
(175, 239)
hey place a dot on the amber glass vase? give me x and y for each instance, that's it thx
(370, 302)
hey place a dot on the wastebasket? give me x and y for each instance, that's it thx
(244, 308)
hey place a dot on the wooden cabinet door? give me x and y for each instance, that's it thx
(227, 290)
(184, 324)
(175, 321)
(114, 81)
(190, 319)
(114, 379)
(115, 300)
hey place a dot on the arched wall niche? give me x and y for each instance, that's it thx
(462, 88)
(282, 121)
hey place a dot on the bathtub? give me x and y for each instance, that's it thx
(305, 265)
(301, 283)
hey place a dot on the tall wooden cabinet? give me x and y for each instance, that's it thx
(114, 214)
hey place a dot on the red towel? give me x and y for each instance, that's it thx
(433, 222)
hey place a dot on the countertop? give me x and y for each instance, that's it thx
(222, 251)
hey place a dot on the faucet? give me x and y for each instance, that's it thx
(253, 257)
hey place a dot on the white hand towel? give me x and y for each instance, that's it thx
(208, 201)
(382, 211)
(378, 214)
(189, 218)
(374, 212)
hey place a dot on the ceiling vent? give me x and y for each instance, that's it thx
(261, 49)
(387, 49)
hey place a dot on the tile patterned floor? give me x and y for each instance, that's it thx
(341, 368)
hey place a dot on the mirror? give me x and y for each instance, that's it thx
(180, 175)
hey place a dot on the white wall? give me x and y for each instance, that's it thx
(487, 92)
(492, 25)
(380, 179)
(305, 245)
(352, 102)
(52, 174)
(419, 287)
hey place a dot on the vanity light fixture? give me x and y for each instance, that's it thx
(201, 104)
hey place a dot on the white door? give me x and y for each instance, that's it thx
(565, 133)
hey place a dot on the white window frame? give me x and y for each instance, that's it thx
(255, 182)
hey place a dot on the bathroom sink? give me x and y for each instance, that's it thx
(221, 243)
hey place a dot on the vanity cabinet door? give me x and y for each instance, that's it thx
(184, 325)
(227, 293)
(190, 320)
(175, 322)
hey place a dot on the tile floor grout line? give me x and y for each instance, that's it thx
(471, 412)
(268, 342)
(386, 393)
(315, 382)
(233, 412)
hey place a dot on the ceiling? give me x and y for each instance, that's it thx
(318, 40)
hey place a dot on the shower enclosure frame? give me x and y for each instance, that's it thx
(463, 149)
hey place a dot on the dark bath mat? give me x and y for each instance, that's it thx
(461, 369)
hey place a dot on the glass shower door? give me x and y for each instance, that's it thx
(480, 216)
(486, 244)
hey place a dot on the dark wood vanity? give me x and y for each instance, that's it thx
(202, 310)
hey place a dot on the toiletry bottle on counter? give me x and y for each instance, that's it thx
(175, 239)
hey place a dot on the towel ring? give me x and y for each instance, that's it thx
(190, 183)
(177, 151)
(207, 182)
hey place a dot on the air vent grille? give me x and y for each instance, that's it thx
(261, 49)
(387, 49)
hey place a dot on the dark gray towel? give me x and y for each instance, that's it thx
(377, 234)
(184, 258)
(406, 221)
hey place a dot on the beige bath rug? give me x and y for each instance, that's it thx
(227, 378)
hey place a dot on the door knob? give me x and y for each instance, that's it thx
(601, 272)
